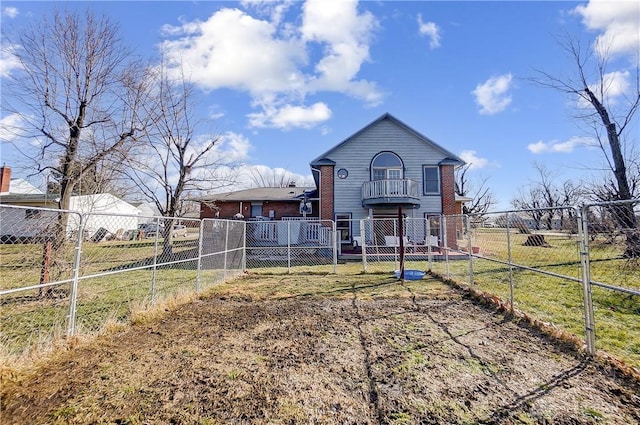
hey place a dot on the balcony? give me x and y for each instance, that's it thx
(390, 192)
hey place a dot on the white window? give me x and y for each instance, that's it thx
(386, 166)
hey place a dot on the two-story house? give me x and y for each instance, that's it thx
(383, 166)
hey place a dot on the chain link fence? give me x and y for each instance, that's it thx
(291, 245)
(419, 243)
(102, 269)
(575, 268)
(38, 263)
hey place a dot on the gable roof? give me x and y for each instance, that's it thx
(260, 194)
(450, 158)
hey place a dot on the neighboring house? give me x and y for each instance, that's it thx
(104, 210)
(22, 186)
(264, 203)
(384, 166)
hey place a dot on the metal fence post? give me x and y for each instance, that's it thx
(244, 246)
(443, 227)
(226, 250)
(467, 224)
(396, 248)
(334, 232)
(428, 241)
(155, 264)
(288, 247)
(583, 236)
(510, 261)
(199, 266)
(73, 296)
(363, 237)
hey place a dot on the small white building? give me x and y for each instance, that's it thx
(103, 214)
(103, 211)
(27, 212)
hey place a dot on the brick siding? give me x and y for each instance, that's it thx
(282, 209)
(326, 192)
(449, 205)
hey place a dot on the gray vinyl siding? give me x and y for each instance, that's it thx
(356, 156)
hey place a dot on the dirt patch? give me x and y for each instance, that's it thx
(331, 350)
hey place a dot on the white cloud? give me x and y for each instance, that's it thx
(431, 30)
(8, 60)
(289, 116)
(248, 176)
(345, 35)
(566, 146)
(270, 59)
(232, 49)
(538, 147)
(9, 127)
(493, 95)
(476, 162)
(10, 12)
(615, 84)
(619, 22)
(233, 147)
(275, 10)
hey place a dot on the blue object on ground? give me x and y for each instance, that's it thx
(411, 274)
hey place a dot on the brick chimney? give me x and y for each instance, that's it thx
(5, 179)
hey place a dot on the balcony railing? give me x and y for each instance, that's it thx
(390, 192)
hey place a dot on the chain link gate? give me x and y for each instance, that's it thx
(291, 244)
(39, 253)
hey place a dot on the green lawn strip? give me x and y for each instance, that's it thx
(27, 319)
(561, 303)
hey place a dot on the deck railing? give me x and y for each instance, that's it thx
(389, 189)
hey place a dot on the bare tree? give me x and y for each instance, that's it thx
(605, 189)
(78, 91)
(571, 195)
(482, 196)
(531, 202)
(106, 176)
(609, 119)
(176, 161)
(266, 177)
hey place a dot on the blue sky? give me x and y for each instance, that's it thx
(283, 82)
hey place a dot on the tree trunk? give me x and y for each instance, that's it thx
(45, 272)
(536, 240)
(624, 214)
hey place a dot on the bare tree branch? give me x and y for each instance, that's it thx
(606, 115)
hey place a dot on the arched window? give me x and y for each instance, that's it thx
(386, 166)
